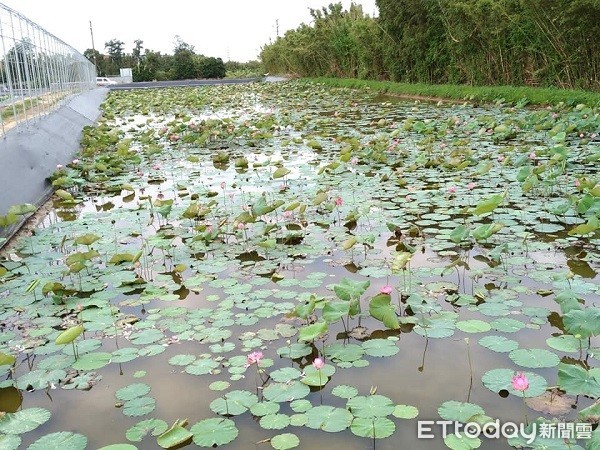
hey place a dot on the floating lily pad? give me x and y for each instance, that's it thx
(219, 385)
(301, 406)
(497, 380)
(234, 403)
(63, 440)
(371, 406)
(213, 432)
(405, 412)
(274, 421)
(140, 430)
(9, 441)
(92, 361)
(344, 391)
(285, 441)
(328, 418)
(473, 326)
(285, 374)
(23, 421)
(380, 347)
(139, 406)
(499, 344)
(375, 428)
(458, 411)
(264, 408)
(285, 392)
(132, 391)
(462, 442)
(534, 358)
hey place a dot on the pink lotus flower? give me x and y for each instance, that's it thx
(223, 185)
(318, 363)
(581, 135)
(287, 214)
(338, 201)
(241, 226)
(500, 158)
(532, 155)
(254, 358)
(452, 190)
(471, 186)
(156, 167)
(354, 161)
(209, 229)
(519, 382)
(75, 161)
(387, 289)
(407, 198)
(59, 166)
(577, 182)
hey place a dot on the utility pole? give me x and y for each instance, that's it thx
(93, 47)
(277, 26)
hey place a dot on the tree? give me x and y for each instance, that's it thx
(137, 51)
(211, 68)
(184, 65)
(115, 49)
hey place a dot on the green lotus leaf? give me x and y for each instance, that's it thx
(140, 430)
(63, 440)
(285, 441)
(328, 418)
(213, 432)
(370, 406)
(458, 411)
(234, 403)
(23, 421)
(132, 391)
(274, 421)
(139, 406)
(374, 428)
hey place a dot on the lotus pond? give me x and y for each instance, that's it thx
(290, 265)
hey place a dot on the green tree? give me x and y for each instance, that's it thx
(210, 67)
(137, 51)
(184, 65)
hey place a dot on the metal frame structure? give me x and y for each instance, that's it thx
(38, 71)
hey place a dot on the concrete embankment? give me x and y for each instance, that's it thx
(30, 154)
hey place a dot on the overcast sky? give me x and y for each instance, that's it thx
(230, 29)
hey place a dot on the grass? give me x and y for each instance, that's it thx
(483, 94)
(21, 107)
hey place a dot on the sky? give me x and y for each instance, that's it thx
(230, 29)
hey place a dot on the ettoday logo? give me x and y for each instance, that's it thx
(426, 429)
(430, 429)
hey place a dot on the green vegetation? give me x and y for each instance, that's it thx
(521, 95)
(20, 107)
(149, 65)
(478, 42)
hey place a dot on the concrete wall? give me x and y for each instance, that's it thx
(29, 155)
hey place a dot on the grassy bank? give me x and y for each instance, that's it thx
(508, 94)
